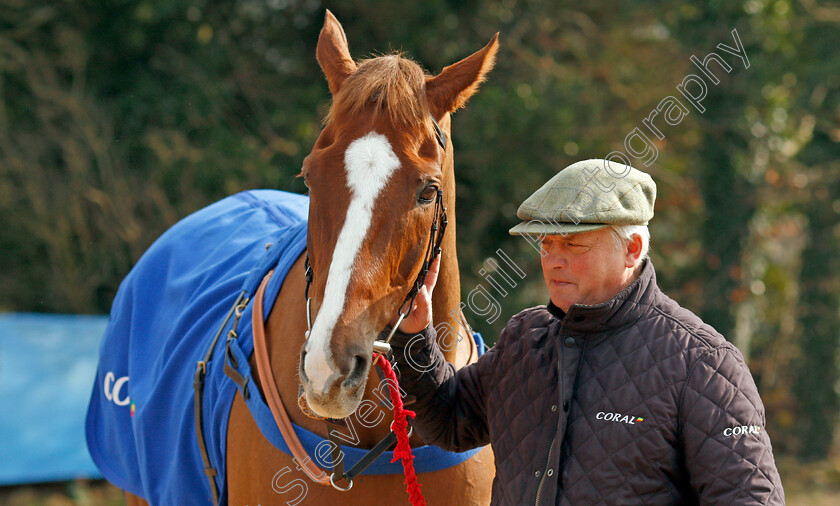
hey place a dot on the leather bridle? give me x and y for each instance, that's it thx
(438, 230)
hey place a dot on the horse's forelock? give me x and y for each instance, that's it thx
(393, 84)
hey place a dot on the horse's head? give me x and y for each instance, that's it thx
(373, 176)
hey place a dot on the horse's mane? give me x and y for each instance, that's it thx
(392, 84)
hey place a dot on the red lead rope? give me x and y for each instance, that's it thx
(400, 428)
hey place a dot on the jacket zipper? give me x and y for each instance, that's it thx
(548, 463)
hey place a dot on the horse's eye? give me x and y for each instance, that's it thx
(428, 194)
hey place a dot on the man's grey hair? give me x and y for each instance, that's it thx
(622, 234)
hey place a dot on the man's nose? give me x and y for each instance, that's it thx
(555, 259)
(558, 263)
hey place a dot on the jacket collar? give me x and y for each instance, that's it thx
(623, 309)
(555, 311)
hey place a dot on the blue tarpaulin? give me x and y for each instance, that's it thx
(47, 365)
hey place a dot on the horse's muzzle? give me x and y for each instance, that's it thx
(341, 392)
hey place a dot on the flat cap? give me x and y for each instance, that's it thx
(588, 195)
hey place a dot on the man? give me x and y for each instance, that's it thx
(610, 394)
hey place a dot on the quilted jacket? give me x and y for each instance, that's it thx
(632, 401)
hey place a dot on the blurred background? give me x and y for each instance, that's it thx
(118, 118)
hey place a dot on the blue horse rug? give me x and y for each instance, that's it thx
(140, 424)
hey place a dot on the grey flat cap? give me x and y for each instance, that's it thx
(585, 196)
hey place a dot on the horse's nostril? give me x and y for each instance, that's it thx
(358, 372)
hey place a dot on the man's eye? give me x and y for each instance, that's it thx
(428, 194)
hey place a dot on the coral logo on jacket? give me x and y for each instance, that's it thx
(741, 430)
(111, 388)
(619, 418)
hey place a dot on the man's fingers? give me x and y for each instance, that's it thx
(431, 277)
(421, 309)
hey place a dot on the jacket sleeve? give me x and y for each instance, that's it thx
(450, 406)
(727, 449)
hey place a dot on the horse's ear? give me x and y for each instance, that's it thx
(450, 90)
(333, 54)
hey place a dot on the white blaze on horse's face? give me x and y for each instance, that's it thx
(369, 163)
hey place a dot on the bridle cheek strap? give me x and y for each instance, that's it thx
(272, 395)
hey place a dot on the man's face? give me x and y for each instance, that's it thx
(584, 268)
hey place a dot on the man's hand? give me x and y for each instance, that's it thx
(421, 312)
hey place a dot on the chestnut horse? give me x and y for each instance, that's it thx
(373, 176)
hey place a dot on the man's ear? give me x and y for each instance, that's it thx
(450, 90)
(333, 53)
(633, 251)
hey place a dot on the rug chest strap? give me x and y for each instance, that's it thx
(337, 455)
(363, 463)
(198, 386)
(209, 470)
(237, 377)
